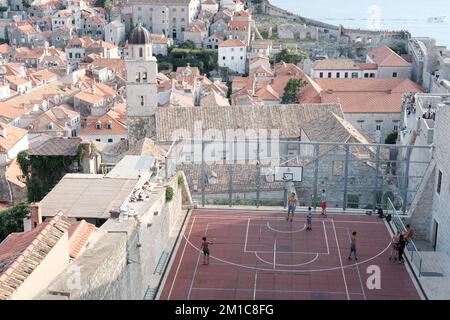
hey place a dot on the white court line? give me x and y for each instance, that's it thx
(281, 231)
(278, 291)
(181, 258)
(357, 269)
(254, 285)
(279, 218)
(289, 270)
(274, 254)
(196, 267)
(326, 237)
(340, 259)
(288, 265)
(246, 235)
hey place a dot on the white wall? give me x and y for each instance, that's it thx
(53, 264)
(370, 123)
(103, 137)
(233, 58)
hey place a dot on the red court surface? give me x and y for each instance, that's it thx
(259, 255)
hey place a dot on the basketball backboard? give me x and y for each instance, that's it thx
(286, 174)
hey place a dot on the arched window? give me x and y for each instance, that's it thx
(141, 53)
(144, 77)
(142, 101)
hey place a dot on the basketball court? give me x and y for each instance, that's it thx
(259, 255)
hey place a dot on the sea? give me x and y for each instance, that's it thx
(422, 18)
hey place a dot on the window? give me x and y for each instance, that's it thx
(98, 125)
(141, 53)
(232, 58)
(50, 126)
(439, 182)
(144, 76)
(372, 75)
(366, 75)
(394, 75)
(338, 74)
(346, 75)
(223, 58)
(109, 125)
(110, 140)
(142, 101)
(242, 58)
(338, 168)
(378, 127)
(321, 75)
(354, 75)
(329, 74)
(395, 128)
(98, 140)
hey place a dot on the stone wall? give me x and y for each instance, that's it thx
(121, 264)
(442, 200)
(140, 128)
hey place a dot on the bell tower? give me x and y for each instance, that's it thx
(141, 88)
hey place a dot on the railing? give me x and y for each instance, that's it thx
(411, 252)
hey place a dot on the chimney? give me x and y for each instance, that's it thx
(35, 214)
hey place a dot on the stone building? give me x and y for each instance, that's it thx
(141, 70)
(169, 17)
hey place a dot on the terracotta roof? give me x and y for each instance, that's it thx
(368, 66)
(232, 43)
(89, 97)
(79, 234)
(10, 112)
(13, 136)
(386, 57)
(241, 25)
(367, 95)
(22, 253)
(17, 80)
(14, 174)
(195, 28)
(96, 20)
(56, 146)
(118, 126)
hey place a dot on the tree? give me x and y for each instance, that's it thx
(290, 57)
(291, 91)
(188, 44)
(399, 49)
(108, 5)
(391, 138)
(11, 220)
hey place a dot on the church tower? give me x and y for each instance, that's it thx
(142, 96)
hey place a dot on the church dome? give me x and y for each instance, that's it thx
(139, 35)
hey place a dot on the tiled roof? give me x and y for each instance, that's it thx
(10, 112)
(56, 146)
(232, 43)
(285, 118)
(118, 126)
(367, 95)
(336, 64)
(22, 253)
(386, 57)
(79, 234)
(13, 136)
(368, 66)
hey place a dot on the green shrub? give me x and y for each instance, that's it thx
(180, 180)
(169, 194)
